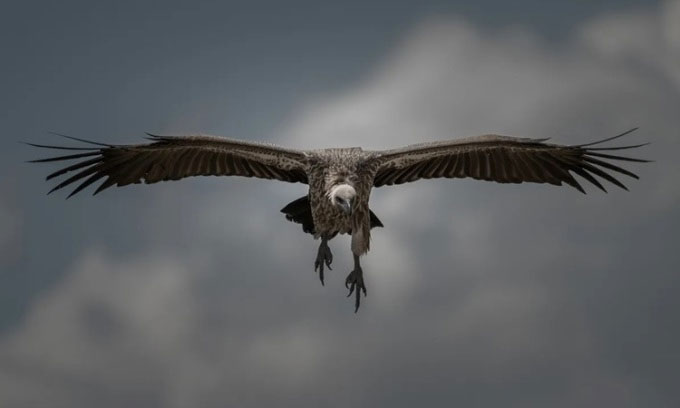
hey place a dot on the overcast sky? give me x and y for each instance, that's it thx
(200, 293)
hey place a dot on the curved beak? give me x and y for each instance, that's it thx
(346, 207)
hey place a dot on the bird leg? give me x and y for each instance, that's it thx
(355, 283)
(324, 256)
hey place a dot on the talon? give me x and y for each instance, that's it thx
(355, 284)
(323, 257)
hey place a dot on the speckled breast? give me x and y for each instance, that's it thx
(330, 167)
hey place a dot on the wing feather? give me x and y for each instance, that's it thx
(173, 158)
(505, 159)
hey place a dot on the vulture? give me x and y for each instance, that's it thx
(340, 180)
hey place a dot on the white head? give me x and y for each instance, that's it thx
(342, 196)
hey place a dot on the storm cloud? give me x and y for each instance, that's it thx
(479, 294)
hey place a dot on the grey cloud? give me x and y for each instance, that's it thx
(479, 294)
(11, 222)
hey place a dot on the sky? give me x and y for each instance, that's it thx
(200, 293)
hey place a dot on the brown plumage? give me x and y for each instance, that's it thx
(340, 179)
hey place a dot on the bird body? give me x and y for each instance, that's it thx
(333, 168)
(340, 179)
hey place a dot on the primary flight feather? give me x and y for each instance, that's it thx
(340, 179)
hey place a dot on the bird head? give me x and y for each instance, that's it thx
(342, 196)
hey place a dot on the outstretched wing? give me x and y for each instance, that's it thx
(173, 158)
(505, 160)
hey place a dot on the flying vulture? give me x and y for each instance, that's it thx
(340, 179)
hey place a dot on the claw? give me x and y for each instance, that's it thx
(355, 284)
(323, 257)
(318, 266)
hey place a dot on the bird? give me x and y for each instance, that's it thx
(340, 180)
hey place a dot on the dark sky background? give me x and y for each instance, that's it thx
(200, 293)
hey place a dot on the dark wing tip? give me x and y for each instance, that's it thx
(106, 184)
(614, 157)
(629, 131)
(620, 147)
(68, 157)
(594, 162)
(157, 138)
(81, 140)
(57, 147)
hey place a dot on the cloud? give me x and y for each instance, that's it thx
(650, 40)
(118, 332)
(478, 293)
(11, 222)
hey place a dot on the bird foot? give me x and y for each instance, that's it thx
(355, 284)
(324, 256)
